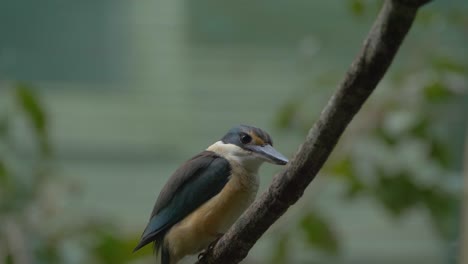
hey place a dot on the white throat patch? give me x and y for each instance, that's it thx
(236, 154)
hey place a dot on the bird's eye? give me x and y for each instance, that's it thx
(245, 138)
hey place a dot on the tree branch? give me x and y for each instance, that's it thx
(380, 47)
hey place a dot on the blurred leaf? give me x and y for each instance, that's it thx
(113, 249)
(355, 188)
(31, 106)
(3, 127)
(441, 206)
(385, 136)
(357, 7)
(48, 253)
(29, 103)
(437, 92)
(425, 17)
(420, 128)
(440, 152)
(286, 114)
(447, 64)
(8, 259)
(319, 234)
(280, 255)
(344, 169)
(458, 18)
(396, 192)
(3, 173)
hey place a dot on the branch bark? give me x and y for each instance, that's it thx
(382, 43)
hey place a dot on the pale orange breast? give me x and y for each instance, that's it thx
(218, 214)
(212, 219)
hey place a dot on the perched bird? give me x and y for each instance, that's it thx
(207, 194)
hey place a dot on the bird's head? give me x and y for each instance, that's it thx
(250, 146)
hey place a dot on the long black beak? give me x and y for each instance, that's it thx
(269, 154)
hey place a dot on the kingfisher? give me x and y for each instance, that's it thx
(207, 194)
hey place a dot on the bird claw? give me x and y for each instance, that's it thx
(201, 255)
(209, 248)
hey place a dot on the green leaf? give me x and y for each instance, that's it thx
(440, 153)
(448, 64)
(355, 188)
(385, 136)
(357, 7)
(286, 115)
(9, 258)
(112, 248)
(48, 253)
(396, 192)
(29, 103)
(442, 207)
(420, 129)
(3, 173)
(3, 127)
(425, 17)
(280, 255)
(344, 169)
(437, 92)
(319, 234)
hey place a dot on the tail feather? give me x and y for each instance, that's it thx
(165, 256)
(145, 241)
(158, 245)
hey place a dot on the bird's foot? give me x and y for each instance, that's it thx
(209, 248)
(212, 244)
(202, 254)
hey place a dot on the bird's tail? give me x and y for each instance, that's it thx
(165, 256)
(158, 246)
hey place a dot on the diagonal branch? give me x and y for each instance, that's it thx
(382, 43)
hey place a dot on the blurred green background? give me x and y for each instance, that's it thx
(101, 100)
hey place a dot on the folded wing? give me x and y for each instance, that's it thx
(194, 183)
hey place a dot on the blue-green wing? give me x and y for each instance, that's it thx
(194, 183)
